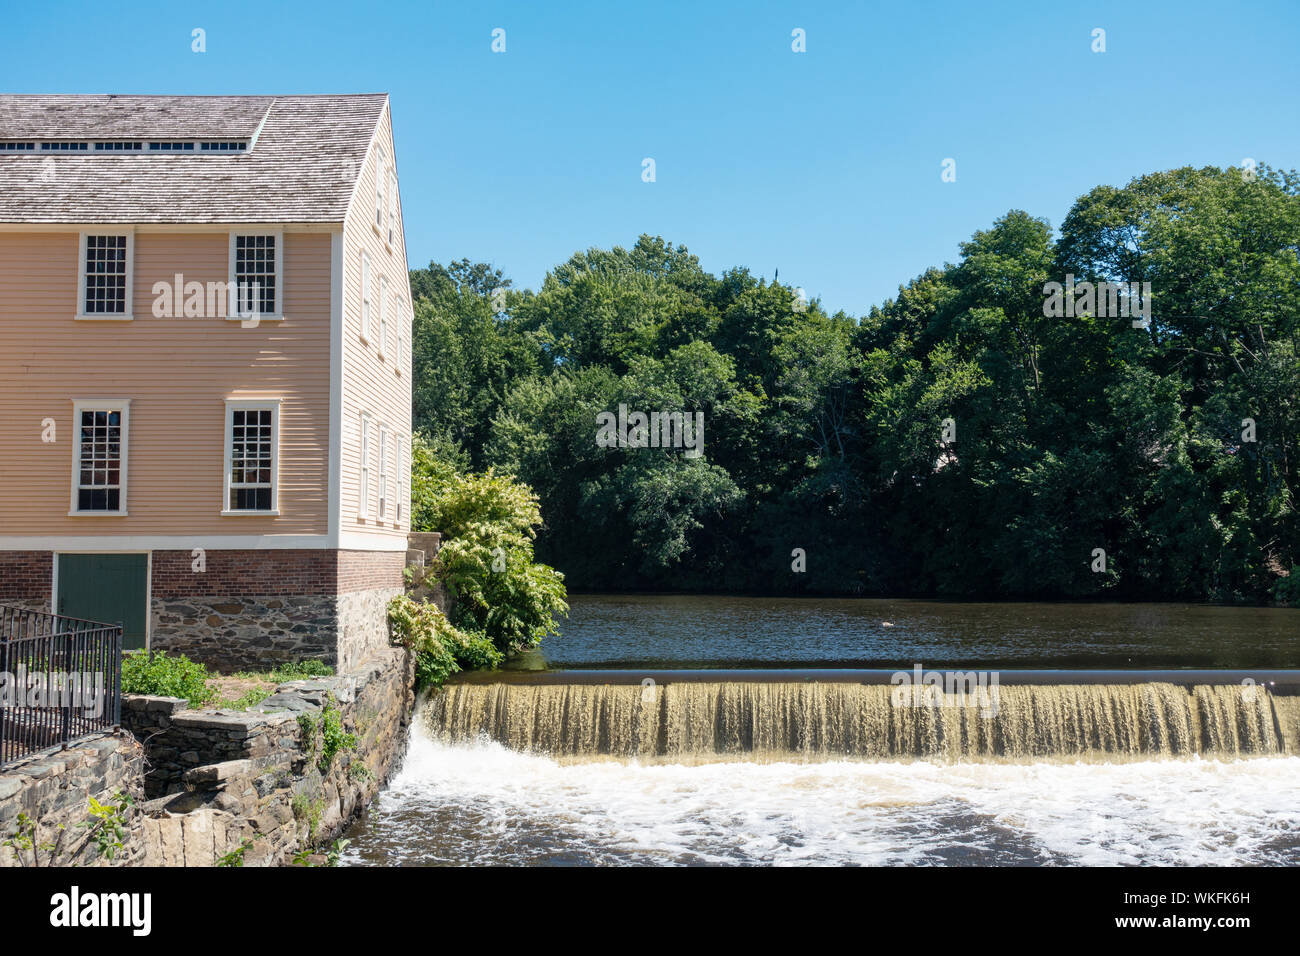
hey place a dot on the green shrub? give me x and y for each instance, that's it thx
(440, 648)
(333, 737)
(433, 665)
(476, 652)
(107, 823)
(163, 676)
(488, 523)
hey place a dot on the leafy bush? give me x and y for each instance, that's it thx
(163, 676)
(440, 648)
(333, 737)
(488, 523)
(476, 652)
(107, 823)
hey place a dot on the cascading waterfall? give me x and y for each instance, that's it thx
(765, 721)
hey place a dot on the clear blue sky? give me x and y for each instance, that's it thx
(824, 164)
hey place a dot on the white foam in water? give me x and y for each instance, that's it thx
(483, 803)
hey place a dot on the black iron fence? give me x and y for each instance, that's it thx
(60, 679)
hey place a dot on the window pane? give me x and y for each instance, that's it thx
(99, 474)
(251, 456)
(255, 273)
(105, 267)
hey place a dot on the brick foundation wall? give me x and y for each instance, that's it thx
(25, 579)
(369, 570)
(269, 572)
(238, 573)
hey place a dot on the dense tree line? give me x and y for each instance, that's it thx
(953, 441)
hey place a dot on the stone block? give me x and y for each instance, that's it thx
(217, 773)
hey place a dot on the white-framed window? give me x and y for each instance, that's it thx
(383, 315)
(394, 453)
(367, 315)
(404, 476)
(106, 267)
(392, 206)
(363, 507)
(400, 325)
(380, 174)
(382, 513)
(399, 338)
(256, 275)
(99, 456)
(252, 456)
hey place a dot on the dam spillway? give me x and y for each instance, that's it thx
(703, 716)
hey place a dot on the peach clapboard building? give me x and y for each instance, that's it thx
(205, 376)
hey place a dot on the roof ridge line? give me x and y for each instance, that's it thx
(252, 143)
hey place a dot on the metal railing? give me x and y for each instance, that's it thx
(60, 679)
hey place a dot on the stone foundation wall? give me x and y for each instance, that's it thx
(250, 610)
(363, 625)
(53, 789)
(250, 632)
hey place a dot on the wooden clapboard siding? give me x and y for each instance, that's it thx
(177, 373)
(380, 387)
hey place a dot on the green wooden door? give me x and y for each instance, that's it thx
(111, 588)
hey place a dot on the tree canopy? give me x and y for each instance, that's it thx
(954, 440)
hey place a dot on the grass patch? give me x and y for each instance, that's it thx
(163, 675)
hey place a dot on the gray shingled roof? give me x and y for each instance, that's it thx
(302, 168)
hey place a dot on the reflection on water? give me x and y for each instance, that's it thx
(707, 631)
(483, 804)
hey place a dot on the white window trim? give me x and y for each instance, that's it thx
(367, 306)
(363, 478)
(232, 302)
(390, 235)
(381, 169)
(80, 313)
(385, 493)
(395, 514)
(403, 476)
(232, 404)
(403, 323)
(99, 404)
(383, 315)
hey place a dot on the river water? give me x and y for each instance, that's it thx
(721, 631)
(476, 801)
(484, 804)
